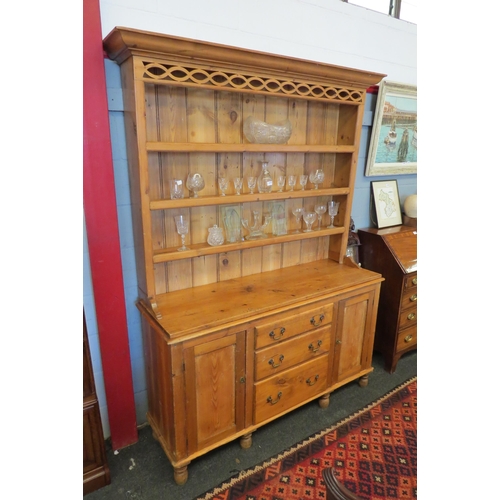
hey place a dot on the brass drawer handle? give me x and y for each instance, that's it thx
(413, 298)
(271, 361)
(312, 348)
(273, 402)
(311, 382)
(338, 341)
(321, 318)
(414, 281)
(408, 338)
(411, 316)
(272, 334)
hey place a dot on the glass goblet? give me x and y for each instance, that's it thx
(309, 218)
(298, 212)
(182, 224)
(238, 184)
(195, 183)
(292, 179)
(317, 177)
(320, 209)
(252, 182)
(281, 183)
(223, 185)
(333, 208)
(303, 181)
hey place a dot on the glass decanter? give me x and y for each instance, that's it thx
(265, 181)
(255, 230)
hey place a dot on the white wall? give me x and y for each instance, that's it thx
(328, 31)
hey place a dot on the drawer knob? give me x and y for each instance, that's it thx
(408, 338)
(414, 281)
(338, 341)
(317, 323)
(274, 401)
(411, 316)
(312, 382)
(413, 298)
(271, 361)
(275, 336)
(314, 349)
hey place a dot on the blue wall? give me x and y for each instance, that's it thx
(407, 185)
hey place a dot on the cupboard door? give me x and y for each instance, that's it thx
(215, 390)
(354, 334)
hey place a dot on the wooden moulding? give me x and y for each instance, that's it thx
(121, 43)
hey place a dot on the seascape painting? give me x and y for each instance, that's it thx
(393, 145)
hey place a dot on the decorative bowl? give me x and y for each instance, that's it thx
(259, 132)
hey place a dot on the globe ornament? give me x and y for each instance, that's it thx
(410, 206)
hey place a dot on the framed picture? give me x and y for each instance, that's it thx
(393, 144)
(385, 196)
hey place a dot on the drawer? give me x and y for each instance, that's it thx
(285, 325)
(409, 298)
(408, 317)
(410, 281)
(407, 338)
(290, 388)
(276, 358)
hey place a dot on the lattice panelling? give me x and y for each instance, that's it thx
(209, 78)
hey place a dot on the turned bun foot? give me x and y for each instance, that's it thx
(246, 441)
(324, 401)
(363, 381)
(181, 474)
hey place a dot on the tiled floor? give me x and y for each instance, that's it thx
(143, 472)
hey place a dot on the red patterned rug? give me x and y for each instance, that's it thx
(374, 453)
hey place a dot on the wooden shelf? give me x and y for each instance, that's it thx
(245, 198)
(199, 249)
(190, 147)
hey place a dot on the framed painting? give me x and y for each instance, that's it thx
(385, 196)
(393, 144)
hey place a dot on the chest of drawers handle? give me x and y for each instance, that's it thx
(271, 361)
(413, 298)
(414, 281)
(312, 382)
(411, 316)
(274, 336)
(321, 318)
(314, 349)
(408, 338)
(273, 402)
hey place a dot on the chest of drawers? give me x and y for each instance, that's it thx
(393, 253)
